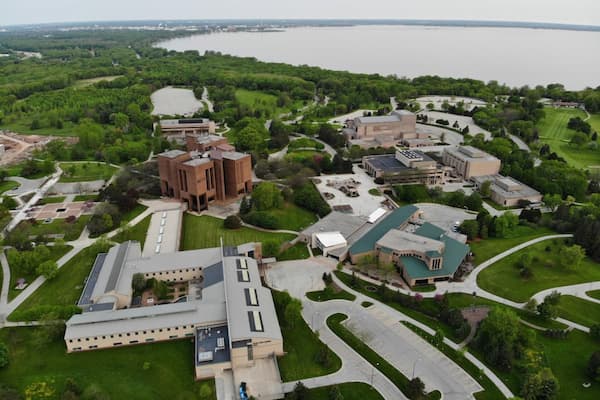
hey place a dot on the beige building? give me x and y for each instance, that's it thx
(469, 162)
(179, 128)
(226, 310)
(384, 130)
(508, 191)
(404, 167)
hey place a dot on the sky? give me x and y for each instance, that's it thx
(16, 12)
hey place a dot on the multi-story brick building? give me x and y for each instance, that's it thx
(384, 130)
(210, 171)
(469, 162)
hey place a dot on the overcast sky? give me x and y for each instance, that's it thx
(13, 12)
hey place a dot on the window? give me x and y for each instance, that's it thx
(255, 320)
(243, 276)
(251, 297)
(103, 337)
(70, 340)
(79, 340)
(160, 330)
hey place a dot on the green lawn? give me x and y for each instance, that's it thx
(553, 131)
(89, 82)
(568, 360)
(86, 171)
(578, 310)
(204, 231)
(349, 391)
(334, 322)
(137, 210)
(56, 252)
(594, 293)
(299, 251)
(490, 391)
(65, 289)
(292, 217)
(8, 185)
(264, 102)
(301, 155)
(488, 248)
(331, 292)
(136, 232)
(305, 143)
(23, 125)
(51, 200)
(72, 231)
(170, 374)
(503, 278)
(302, 346)
(86, 197)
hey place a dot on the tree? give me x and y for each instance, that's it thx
(205, 392)
(552, 201)
(474, 202)
(525, 260)
(48, 269)
(593, 367)
(485, 189)
(232, 222)
(595, 331)
(501, 338)
(547, 311)
(469, 227)
(138, 282)
(335, 393)
(300, 392)
(571, 256)
(541, 385)
(266, 196)
(270, 248)
(415, 389)
(3, 355)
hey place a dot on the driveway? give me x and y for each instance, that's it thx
(26, 185)
(380, 329)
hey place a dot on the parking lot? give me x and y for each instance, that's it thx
(444, 216)
(364, 204)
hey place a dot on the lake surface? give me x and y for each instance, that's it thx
(513, 56)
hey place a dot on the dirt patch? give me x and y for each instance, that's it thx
(20, 147)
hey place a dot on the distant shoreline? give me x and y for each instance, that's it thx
(270, 24)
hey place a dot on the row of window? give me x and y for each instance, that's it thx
(181, 271)
(184, 327)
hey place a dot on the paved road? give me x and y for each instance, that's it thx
(26, 185)
(205, 100)
(379, 328)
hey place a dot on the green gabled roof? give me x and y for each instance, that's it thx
(454, 254)
(391, 221)
(433, 254)
(430, 231)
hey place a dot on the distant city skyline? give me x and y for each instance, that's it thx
(580, 12)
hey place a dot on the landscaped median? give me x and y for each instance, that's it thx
(334, 322)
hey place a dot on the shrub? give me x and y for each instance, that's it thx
(232, 222)
(262, 219)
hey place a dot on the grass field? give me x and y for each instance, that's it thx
(170, 374)
(56, 252)
(204, 231)
(88, 82)
(503, 278)
(302, 346)
(488, 248)
(71, 231)
(568, 360)
(331, 292)
(137, 210)
(8, 185)
(66, 287)
(23, 126)
(594, 293)
(264, 102)
(349, 391)
(51, 200)
(553, 131)
(86, 171)
(292, 217)
(299, 251)
(136, 232)
(578, 310)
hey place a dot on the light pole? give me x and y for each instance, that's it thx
(373, 372)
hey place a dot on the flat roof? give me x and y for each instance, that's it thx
(400, 240)
(329, 239)
(241, 325)
(344, 223)
(212, 345)
(470, 153)
(172, 153)
(90, 283)
(385, 162)
(378, 119)
(234, 155)
(393, 220)
(194, 162)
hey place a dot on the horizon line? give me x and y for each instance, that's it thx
(354, 21)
